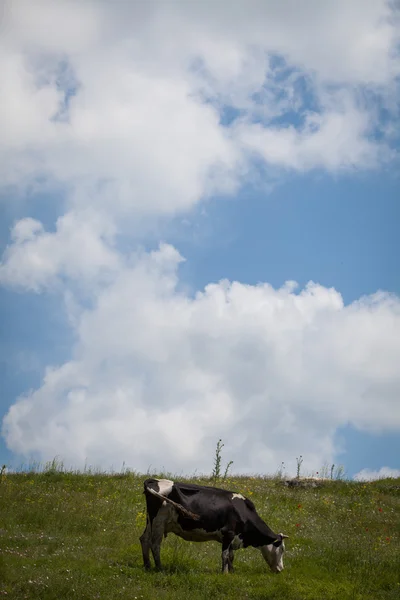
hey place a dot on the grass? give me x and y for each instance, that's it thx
(76, 535)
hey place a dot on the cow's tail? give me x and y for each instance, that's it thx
(181, 509)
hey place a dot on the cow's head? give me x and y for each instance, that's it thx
(273, 553)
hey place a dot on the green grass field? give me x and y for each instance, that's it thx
(71, 535)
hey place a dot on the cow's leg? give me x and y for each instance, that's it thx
(227, 553)
(157, 532)
(145, 540)
(231, 557)
(227, 560)
(156, 539)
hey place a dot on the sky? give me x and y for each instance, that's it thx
(199, 235)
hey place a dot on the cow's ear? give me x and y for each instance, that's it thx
(279, 540)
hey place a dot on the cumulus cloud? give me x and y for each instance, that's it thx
(159, 375)
(141, 113)
(334, 140)
(370, 475)
(79, 249)
(133, 101)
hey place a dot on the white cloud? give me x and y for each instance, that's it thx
(79, 250)
(340, 41)
(121, 110)
(157, 377)
(333, 140)
(137, 134)
(371, 475)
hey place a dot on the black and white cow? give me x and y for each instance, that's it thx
(200, 513)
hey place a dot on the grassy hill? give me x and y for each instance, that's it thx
(71, 535)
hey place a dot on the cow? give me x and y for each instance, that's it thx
(199, 513)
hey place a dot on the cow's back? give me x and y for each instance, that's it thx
(213, 505)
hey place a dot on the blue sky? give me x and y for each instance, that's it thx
(352, 222)
(268, 176)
